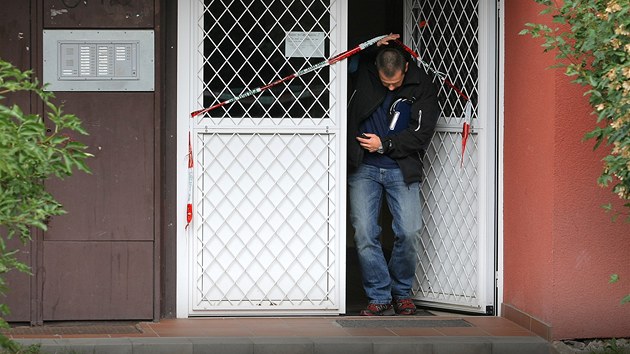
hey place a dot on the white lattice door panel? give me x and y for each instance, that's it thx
(266, 233)
(265, 215)
(453, 257)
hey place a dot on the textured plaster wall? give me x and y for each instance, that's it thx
(560, 247)
(528, 169)
(587, 245)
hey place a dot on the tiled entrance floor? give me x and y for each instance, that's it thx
(299, 335)
(285, 327)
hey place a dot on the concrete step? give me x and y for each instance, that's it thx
(294, 345)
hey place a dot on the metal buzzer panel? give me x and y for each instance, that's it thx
(99, 60)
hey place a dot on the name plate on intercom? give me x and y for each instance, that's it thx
(99, 60)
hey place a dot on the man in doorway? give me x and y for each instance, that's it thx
(391, 118)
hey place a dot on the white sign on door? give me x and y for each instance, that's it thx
(304, 44)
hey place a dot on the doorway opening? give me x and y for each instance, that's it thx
(456, 40)
(247, 250)
(364, 25)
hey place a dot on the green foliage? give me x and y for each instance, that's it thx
(592, 43)
(612, 347)
(615, 278)
(31, 151)
(12, 347)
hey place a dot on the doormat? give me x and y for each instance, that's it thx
(370, 323)
(73, 329)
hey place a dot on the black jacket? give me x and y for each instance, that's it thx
(408, 146)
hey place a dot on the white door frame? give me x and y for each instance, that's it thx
(184, 103)
(490, 163)
(500, 145)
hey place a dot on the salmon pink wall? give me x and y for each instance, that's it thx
(528, 169)
(588, 246)
(560, 247)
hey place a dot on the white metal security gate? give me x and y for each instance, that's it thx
(268, 232)
(456, 254)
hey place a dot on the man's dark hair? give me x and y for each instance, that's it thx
(389, 61)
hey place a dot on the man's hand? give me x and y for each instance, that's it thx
(385, 41)
(371, 143)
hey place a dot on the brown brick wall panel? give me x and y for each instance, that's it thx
(15, 48)
(113, 14)
(115, 202)
(19, 285)
(97, 280)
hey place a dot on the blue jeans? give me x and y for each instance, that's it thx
(382, 280)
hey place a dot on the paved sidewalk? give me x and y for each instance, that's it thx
(308, 335)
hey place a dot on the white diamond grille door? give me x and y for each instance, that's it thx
(455, 258)
(267, 235)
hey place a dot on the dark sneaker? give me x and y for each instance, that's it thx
(405, 307)
(378, 310)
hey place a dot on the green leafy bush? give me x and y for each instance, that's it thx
(614, 278)
(32, 149)
(592, 43)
